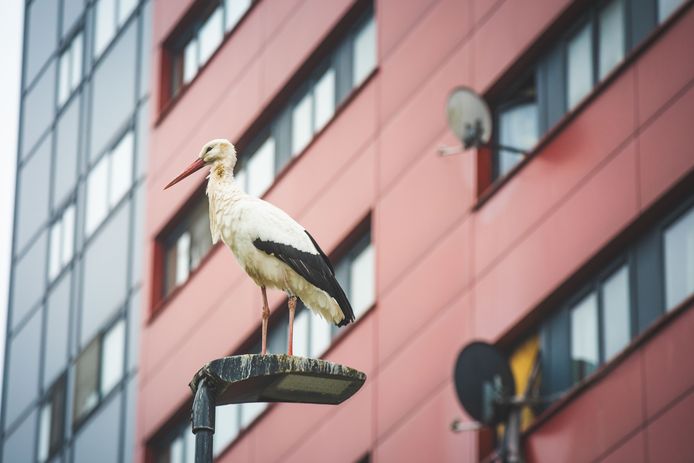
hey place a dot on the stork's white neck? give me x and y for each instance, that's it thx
(221, 180)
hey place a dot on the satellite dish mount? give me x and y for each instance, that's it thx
(471, 121)
(487, 391)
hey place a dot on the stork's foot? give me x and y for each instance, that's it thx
(292, 308)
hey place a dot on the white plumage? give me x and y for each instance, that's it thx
(273, 249)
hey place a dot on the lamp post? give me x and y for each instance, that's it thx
(264, 378)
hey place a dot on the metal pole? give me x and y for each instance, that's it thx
(203, 421)
(512, 452)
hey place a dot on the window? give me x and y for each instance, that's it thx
(666, 8)
(584, 338)
(653, 275)
(108, 182)
(70, 69)
(62, 240)
(517, 120)
(180, 445)
(364, 51)
(187, 245)
(110, 15)
(99, 369)
(203, 38)
(612, 36)
(564, 75)
(679, 260)
(52, 421)
(579, 66)
(310, 107)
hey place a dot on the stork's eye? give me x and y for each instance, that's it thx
(208, 149)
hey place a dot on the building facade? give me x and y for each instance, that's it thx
(71, 355)
(578, 254)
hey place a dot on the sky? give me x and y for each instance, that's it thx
(11, 21)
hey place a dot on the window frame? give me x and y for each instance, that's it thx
(641, 30)
(172, 71)
(98, 343)
(54, 448)
(644, 256)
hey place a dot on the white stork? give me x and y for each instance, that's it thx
(273, 249)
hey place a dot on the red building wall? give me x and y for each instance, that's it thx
(447, 270)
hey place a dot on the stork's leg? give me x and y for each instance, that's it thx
(292, 307)
(266, 316)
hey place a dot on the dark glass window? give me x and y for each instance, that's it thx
(187, 244)
(517, 119)
(202, 39)
(52, 421)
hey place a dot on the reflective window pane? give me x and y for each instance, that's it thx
(121, 175)
(113, 87)
(42, 28)
(364, 52)
(363, 281)
(125, 8)
(182, 258)
(226, 427)
(579, 66)
(58, 319)
(86, 393)
(302, 126)
(104, 287)
(32, 202)
(211, 34)
(679, 260)
(19, 446)
(44, 432)
(28, 279)
(105, 27)
(251, 411)
(54, 253)
(65, 166)
(190, 60)
(235, 9)
(51, 424)
(76, 61)
(201, 239)
(667, 7)
(616, 309)
(39, 107)
(324, 96)
(99, 439)
(64, 77)
(23, 369)
(584, 338)
(72, 9)
(611, 22)
(321, 335)
(68, 232)
(112, 357)
(97, 195)
(260, 169)
(301, 333)
(517, 129)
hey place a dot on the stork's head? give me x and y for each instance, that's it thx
(218, 151)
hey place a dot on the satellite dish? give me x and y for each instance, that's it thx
(484, 383)
(469, 117)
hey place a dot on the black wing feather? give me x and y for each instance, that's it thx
(314, 268)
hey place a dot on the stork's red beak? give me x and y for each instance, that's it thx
(194, 167)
